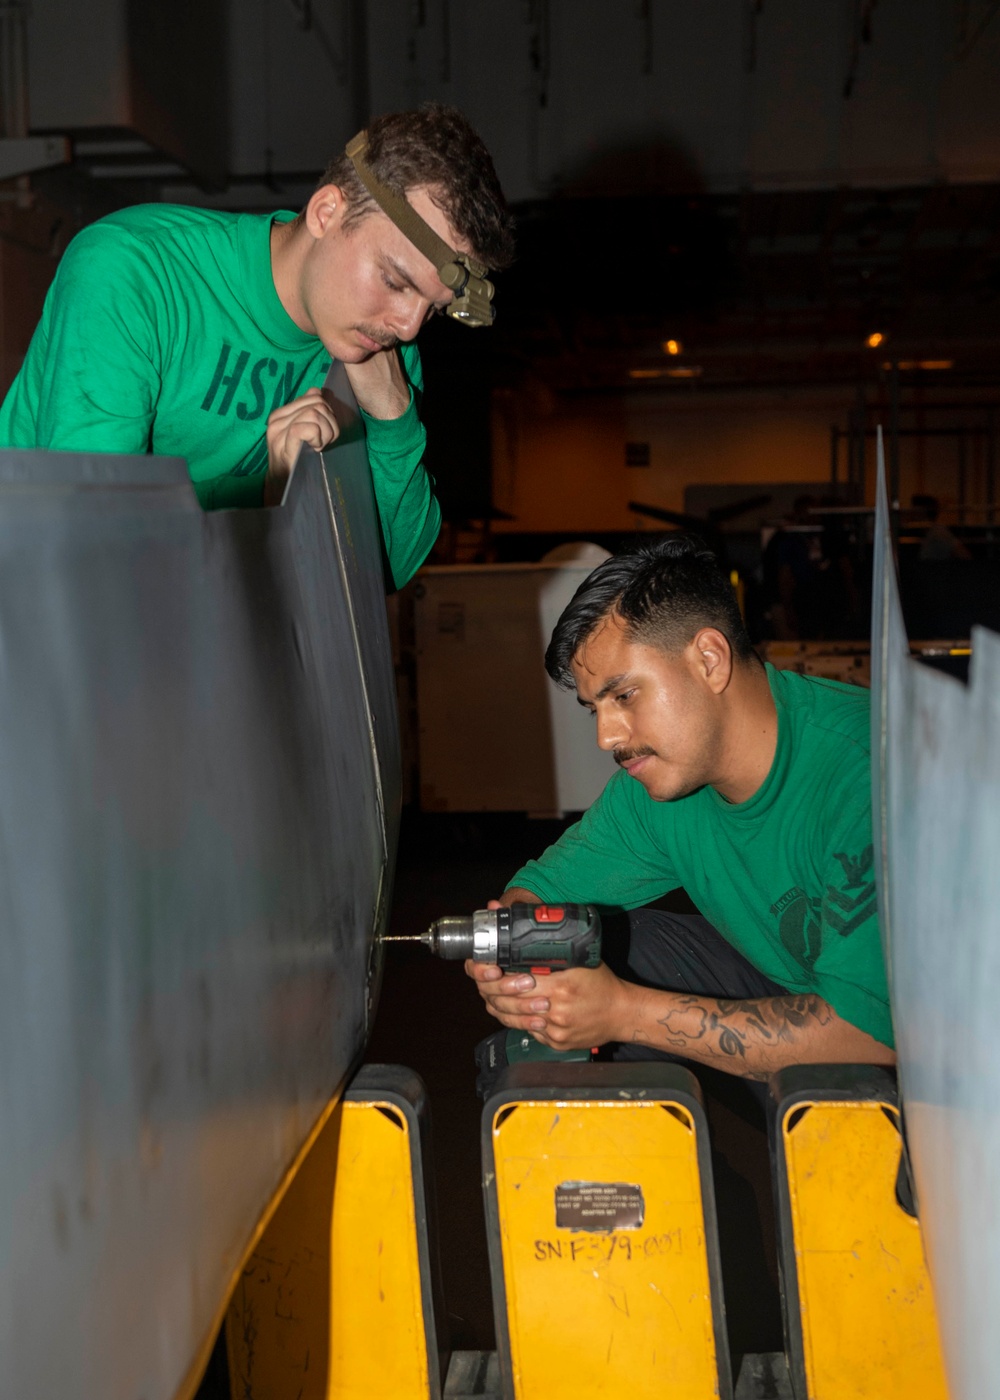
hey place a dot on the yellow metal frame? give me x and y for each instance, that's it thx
(331, 1304)
(332, 1297)
(623, 1313)
(868, 1322)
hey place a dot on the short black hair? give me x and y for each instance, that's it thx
(664, 592)
(433, 146)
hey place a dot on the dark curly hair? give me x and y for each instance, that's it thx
(435, 147)
(664, 592)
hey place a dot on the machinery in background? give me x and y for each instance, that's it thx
(850, 662)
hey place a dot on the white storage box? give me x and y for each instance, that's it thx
(495, 734)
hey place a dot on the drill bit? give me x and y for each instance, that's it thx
(450, 937)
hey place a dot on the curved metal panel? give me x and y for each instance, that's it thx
(937, 805)
(199, 797)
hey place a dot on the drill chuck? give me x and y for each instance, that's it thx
(460, 936)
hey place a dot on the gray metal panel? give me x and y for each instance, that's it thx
(937, 807)
(194, 713)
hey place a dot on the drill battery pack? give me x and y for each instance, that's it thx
(506, 1048)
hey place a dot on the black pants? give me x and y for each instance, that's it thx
(684, 953)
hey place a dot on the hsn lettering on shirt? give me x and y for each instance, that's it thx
(268, 384)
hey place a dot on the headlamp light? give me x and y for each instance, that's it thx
(471, 303)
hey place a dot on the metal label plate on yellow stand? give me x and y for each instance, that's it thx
(859, 1312)
(603, 1243)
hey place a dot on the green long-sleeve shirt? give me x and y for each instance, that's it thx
(163, 332)
(786, 877)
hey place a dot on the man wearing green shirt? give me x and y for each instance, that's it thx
(749, 787)
(208, 335)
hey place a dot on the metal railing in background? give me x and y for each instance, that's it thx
(975, 438)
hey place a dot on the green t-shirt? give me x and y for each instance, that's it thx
(162, 332)
(786, 877)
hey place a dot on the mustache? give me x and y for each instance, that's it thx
(386, 342)
(622, 756)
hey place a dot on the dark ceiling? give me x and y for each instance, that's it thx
(760, 288)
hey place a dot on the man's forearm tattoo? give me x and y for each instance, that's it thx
(706, 1027)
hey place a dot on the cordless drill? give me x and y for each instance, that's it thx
(535, 938)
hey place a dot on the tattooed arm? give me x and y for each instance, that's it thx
(755, 1037)
(584, 1007)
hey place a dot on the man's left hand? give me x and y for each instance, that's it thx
(379, 384)
(573, 1010)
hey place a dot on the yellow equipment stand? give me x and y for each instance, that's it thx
(859, 1312)
(602, 1232)
(338, 1301)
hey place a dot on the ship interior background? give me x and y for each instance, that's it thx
(750, 234)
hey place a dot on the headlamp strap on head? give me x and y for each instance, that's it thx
(462, 273)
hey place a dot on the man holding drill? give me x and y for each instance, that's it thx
(208, 335)
(749, 787)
